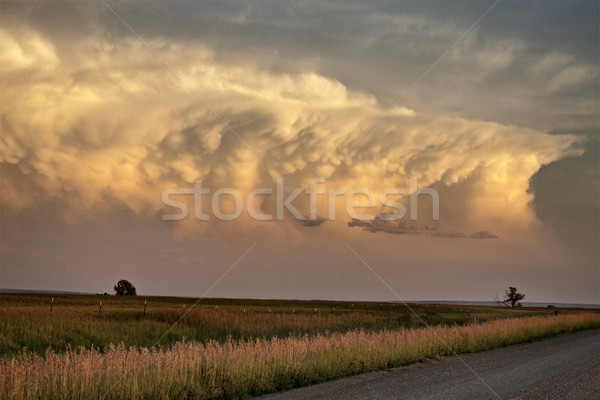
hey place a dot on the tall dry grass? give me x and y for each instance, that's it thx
(38, 330)
(35, 327)
(235, 369)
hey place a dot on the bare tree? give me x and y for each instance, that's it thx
(512, 298)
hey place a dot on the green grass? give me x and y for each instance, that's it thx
(26, 320)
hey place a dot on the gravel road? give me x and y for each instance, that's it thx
(562, 367)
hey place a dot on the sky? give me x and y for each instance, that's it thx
(488, 109)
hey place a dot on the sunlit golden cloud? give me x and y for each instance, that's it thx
(95, 128)
(110, 124)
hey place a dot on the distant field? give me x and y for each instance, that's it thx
(26, 319)
(225, 349)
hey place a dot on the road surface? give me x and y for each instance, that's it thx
(562, 367)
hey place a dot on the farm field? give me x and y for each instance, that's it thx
(76, 320)
(232, 348)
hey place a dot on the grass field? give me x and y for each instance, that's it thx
(26, 320)
(233, 348)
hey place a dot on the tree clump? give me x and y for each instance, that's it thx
(125, 288)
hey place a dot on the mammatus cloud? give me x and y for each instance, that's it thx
(104, 125)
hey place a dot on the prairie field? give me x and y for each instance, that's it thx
(230, 348)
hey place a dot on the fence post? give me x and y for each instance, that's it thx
(100, 309)
(145, 302)
(51, 304)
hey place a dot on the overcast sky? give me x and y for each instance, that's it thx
(107, 105)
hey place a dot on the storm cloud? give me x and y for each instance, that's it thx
(97, 124)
